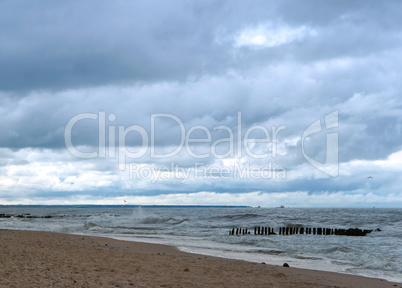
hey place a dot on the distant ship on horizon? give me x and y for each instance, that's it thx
(281, 206)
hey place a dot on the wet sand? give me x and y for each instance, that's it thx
(47, 259)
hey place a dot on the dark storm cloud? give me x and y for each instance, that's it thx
(48, 45)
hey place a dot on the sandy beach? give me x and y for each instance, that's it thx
(47, 259)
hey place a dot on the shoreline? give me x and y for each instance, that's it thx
(248, 257)
(70, 260)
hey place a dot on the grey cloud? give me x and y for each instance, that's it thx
(58, 46)
(54, 46)
(133, 59)
(272, 97)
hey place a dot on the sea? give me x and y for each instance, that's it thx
(205, 230)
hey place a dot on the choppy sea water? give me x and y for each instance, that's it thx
(205, 230)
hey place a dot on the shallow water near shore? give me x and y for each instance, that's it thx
(205, 230)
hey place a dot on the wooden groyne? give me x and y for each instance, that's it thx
(23, 216)
(259, 230)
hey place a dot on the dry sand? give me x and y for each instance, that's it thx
(45, 259)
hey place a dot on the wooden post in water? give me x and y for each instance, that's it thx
(260, 230)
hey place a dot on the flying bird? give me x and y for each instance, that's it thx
(368, 178)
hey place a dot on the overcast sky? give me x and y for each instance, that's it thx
(293, 103)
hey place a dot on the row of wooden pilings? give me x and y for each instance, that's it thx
(258, 230)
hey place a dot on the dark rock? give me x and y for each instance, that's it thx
(286, 265)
